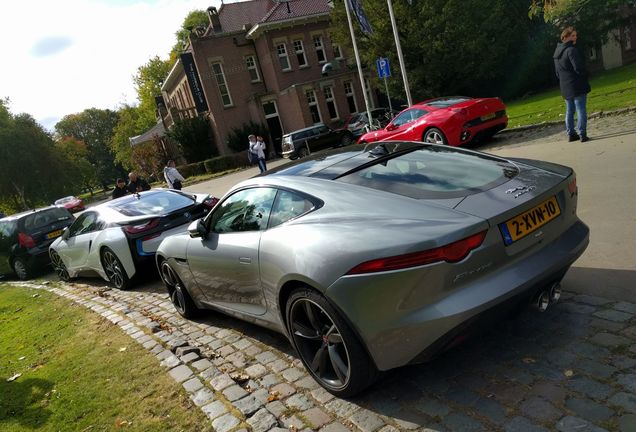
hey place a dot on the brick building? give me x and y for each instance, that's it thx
(263, 61)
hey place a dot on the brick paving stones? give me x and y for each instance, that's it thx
(572, 368)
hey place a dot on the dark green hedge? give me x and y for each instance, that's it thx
(224, 163)
(192, 169)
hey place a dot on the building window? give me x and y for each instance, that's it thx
(337, 52)
(331, 103)
(250, 63)
(313, 106)
(627, 36)
(283, 59)
(351, 97)
(320, 49)
(217, 69)
(299, 50)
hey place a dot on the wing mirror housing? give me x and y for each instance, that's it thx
(391, 127)
(197, 229)
(65, 234)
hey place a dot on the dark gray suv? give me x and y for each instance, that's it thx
(305, 141)
(25, 239)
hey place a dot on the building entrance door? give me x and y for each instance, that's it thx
(273, 124)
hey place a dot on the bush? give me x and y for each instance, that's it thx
(195, 137)
(237, 138)
(224, 163)
(192, 169)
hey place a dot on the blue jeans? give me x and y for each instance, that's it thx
(261, 164)
(577, 103)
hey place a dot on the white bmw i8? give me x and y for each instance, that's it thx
(113, 239)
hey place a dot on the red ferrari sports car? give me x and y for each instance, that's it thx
(454, 121)
(71, 203)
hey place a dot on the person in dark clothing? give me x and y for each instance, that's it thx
(570, 69)
(120, 189)
(136, 183)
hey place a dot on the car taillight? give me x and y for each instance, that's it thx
(25, 241)
(572, 186)
(135, 229)
(210, 202)
(453, 252)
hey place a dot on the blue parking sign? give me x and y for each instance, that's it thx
(384, 68)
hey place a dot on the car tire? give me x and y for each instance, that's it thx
(114, 269)
(346, 140)
(330, 351)
(303, 152)
(178, 293)
(434, 136)
(21, 269)
(59, 266)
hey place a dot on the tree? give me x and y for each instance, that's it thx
(594, 19)
(94, 127)
(195, 137)
(470, 47)
(33, 173)
(128, 126)
(148, 81)
(76, 154)
(196, 19)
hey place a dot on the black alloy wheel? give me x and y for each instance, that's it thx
(346, 140)
(303, 152)
(434, 136)
(114, 269)
(327, 347)
(179, 296)
(21, 269)
(59, 266)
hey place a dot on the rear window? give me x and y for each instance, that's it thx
(44, 218)
(153, 203)
(434, 173)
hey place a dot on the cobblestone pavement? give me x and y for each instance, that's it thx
(572, 368)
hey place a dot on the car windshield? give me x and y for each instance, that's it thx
(434, 172)
(446, 102)
(151, 203)
(65, 200)
(45, 217)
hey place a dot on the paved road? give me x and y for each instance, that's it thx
(572, 368)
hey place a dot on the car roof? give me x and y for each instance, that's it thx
(331, 164)
(306, 129)
(20, 215)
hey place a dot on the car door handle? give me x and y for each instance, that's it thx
(245, 260)
(90, 243)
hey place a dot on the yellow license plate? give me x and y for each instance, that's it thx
(54, 234)
(488, 116)
(527, 222)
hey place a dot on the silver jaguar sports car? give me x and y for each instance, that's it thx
(370, 258)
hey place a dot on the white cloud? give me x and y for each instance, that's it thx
(61, 57)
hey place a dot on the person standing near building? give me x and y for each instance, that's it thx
(172, 176)
(569, 65)
(257, 148)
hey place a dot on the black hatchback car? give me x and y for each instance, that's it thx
(25, 239)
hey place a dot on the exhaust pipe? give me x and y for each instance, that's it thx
(555, 292)
(542, 301)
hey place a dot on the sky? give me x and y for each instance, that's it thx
(62, 57)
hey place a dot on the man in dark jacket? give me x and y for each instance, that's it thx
(570, 69)
(136, 183)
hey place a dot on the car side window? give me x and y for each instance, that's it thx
(288, 205)
(245, 210)
(7, 229)
(409, 116)
(87, 222)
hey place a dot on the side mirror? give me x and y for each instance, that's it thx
(197, 229)
(65, 234)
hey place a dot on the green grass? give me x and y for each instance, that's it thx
(75, 375)
(611, 90)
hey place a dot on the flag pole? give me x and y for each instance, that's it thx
(399, 53)
(355, 51)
